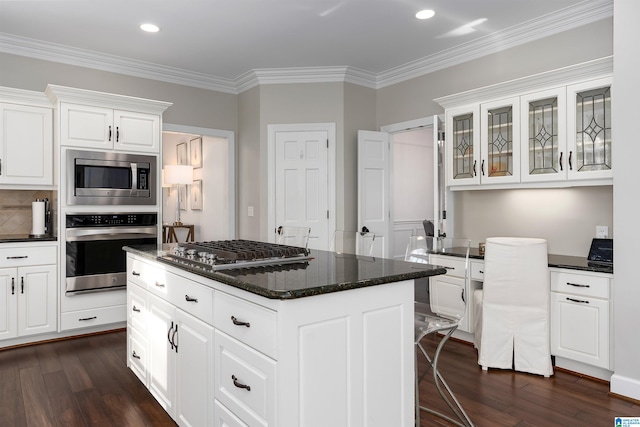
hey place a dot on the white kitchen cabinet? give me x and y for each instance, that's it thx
(108, 129)
(500, 141)
(544, 136)
(580, 317)
(589, 130)
(104, 121)
(26, 144)
(263, 362)
(462, 127)
(28, 291)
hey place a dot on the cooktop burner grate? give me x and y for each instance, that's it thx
(247, 250)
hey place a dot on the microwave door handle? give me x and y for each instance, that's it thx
(134, 178)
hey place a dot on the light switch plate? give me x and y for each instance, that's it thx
(602, 231)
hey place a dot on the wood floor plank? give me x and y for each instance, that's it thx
(36, 402)
(63, 403)
(12, 406)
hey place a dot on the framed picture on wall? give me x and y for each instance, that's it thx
(182, 194)
(182, 153)
(196, 195)
(196, 153)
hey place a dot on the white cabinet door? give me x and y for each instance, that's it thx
(85, 126)
(161, 323)
(500, 141)
(589, 129)
(26, 145)
(136, 131)
(544, 136)
(8, 303)
(580, 329)
(37, 299)
(446, 298)
(463, 145)
(194, 371)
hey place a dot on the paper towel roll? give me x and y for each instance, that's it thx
(37, 217)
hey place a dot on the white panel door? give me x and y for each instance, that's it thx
(301, 160)
(36, 299)
(374, 166)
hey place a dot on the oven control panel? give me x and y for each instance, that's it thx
(110, 220)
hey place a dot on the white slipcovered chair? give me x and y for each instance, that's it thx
(511, 322)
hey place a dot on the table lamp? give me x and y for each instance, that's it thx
(178, 175)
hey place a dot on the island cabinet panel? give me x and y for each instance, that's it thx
(338, 358)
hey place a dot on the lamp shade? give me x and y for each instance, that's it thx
(178, 174)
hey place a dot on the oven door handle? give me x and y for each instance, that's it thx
(111, 233)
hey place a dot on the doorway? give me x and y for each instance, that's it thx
(209, 203)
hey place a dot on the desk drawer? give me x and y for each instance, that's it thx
(477, 270)
(580, 284)
(21, 256)
(454, 265)
(191, 297)
(144, 274)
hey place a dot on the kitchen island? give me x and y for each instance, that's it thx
(324, 342)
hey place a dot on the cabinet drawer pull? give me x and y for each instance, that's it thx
(449, 268)
(578, 285)
(239, 323)
(577, 300)
(481, 271)
(173, 338)
(13, 286)
(134, 355)
(109, 133)
(189, 299)
(135, 273)
(18, 257)
(82, 319)
(239, 384)
(570, 165)
(482, 167)
(117, 134)
(560, 162)
(160, 285)
(21, 284)
(474, 168)
(136, 309)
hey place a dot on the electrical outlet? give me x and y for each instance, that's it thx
(602, 231)
(250, 211)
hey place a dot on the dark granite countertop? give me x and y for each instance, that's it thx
(559, 261)
(326, 272)
(17, 238)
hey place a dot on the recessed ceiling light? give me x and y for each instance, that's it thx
(149, 28)
(425, 14)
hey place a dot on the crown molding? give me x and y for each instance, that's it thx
(598, 68)
(21, 96)
(572, 17)
(581, 14)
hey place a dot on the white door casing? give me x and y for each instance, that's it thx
(301, 180)
(374, 183)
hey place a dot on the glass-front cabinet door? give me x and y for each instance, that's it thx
(499, 141)
(589, 129)
(462, 145)
(543, 136)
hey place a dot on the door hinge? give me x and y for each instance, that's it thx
(441, 135)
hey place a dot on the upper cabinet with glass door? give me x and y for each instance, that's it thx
(462, 142)
(589, 130)
(543, 136)
(500, 141)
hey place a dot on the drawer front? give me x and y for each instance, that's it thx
(250, 323)
(144, 274)
(137, 308)
(477, 270)
(93, 317)
(137, 355)
(454, 265)
(245, 381)
(224, 417)
(19, 256)
(580, 284)
(191, 297)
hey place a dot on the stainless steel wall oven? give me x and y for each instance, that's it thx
(95, 260)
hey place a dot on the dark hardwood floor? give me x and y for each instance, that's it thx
(85, 381)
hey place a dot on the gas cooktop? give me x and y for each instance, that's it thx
(234, 254)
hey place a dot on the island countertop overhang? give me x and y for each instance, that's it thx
(324, 273)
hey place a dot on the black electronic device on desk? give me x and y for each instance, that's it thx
(601, 253)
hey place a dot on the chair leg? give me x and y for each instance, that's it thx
(451, 400)
(417, 393)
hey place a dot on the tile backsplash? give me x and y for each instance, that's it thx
(15, 209)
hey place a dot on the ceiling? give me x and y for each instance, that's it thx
(220, 41)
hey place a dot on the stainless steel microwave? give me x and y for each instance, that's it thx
(110, 178)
